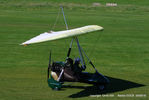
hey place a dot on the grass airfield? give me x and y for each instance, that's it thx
(120, 52)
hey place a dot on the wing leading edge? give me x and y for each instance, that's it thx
(49, 36)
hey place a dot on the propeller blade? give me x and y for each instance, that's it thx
(49, 66)
(50, 59)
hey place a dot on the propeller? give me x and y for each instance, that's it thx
(49, 66)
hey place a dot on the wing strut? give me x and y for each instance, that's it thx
(81, 55)
(69, 50)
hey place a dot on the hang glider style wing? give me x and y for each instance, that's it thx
(49, 36)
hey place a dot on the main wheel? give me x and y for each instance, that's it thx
(56, 89)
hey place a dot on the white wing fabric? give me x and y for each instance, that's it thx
(49, 36)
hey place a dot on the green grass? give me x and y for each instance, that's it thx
(120, 51)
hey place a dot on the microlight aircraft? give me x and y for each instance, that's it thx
(70, 70)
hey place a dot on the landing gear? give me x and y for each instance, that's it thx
(56, 88)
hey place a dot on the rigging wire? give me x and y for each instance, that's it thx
(91, 51)
(56, 19)
(95, 44)
(65, 23)
(66, 44)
